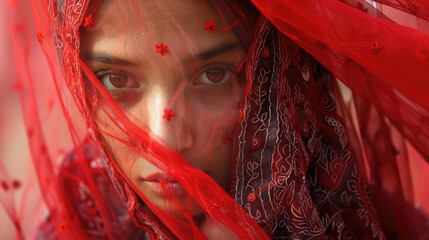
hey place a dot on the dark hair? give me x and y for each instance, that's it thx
(243, 15)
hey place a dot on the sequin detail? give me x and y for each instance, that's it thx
(89, 21)
(161, 49)
(210, 26)
(168, 114)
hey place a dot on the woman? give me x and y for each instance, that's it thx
(208, 120)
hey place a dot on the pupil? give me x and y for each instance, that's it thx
(117, 81)
(215, 75)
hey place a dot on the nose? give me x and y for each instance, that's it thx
(168, 116)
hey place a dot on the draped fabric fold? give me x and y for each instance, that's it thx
(381, 61)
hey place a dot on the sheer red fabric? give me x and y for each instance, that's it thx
(387, 72)
(255, 139)
(383, 63)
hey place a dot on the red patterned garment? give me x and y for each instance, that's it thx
(297, 176)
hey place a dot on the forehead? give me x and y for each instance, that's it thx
(139, 25)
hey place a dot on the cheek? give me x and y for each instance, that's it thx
(213, 132)
(220, 167)
(216, 110)
(212, 128)
(220, 99)
(115, 140)
(121, 153)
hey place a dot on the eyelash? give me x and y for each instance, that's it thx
(106, 73)
(229, 73)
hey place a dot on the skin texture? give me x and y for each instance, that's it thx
(198, 79)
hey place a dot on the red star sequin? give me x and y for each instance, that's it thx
(210, 26)
(161, 49)
(89, 21)
(227, 138)
(375, 47)
(4, 185)
(62, 227)
(168, 114)
(40, 37)
(163, 183)
(16, 184)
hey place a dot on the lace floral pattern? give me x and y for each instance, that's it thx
(301, 180)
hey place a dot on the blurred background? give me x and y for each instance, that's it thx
(19, 191)
(13, 143)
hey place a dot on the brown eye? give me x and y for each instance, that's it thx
(114, 81)
(215, 75)
(118, 81)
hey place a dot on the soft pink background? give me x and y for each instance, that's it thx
(13, 147)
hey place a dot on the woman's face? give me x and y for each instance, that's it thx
(197, 79)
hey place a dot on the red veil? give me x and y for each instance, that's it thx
(310, 158)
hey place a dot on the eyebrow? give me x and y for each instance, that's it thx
(108, 59)
(205, 55)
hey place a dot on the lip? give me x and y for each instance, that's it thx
(164, 185)
(156, 177)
